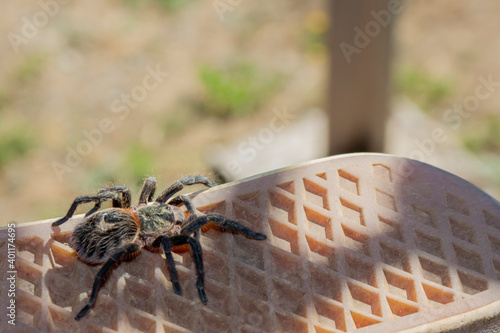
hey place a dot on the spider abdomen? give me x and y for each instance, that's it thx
(102, 233)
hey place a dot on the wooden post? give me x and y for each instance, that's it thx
(357, 102)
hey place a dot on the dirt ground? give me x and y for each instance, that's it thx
(66, 129)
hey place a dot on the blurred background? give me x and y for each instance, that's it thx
(94, 94)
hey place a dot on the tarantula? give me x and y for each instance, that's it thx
(113, 235)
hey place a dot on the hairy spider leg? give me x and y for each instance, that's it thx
(192, 225)
(116, 203)
(179, 185)
(115, 259)
(189, 206)
(198, 261)
(125, 192)
(185, 200)
(124, 202)
(164, 241)
(148, 190)
(85, 199)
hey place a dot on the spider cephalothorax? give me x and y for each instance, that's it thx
(115, 234)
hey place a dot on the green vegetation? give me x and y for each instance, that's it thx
(30, 68)
(484, 136)
(176, 123)
(15, 144)
(421, 87)
(139, 162)
(168, 5)
(314, 40)
(236, 90)
(174, 4)
(102, 174)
